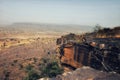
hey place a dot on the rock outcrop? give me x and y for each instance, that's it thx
(86, 73)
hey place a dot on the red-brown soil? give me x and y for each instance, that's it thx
(14, 59)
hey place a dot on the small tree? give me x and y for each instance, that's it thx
(97, 28)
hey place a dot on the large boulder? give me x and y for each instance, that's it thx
(86, 73)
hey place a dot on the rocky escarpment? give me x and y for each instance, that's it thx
(86, 73)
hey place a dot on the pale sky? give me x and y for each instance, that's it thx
(82, 12)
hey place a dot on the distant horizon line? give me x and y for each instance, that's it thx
(38, 23)
(44, 23)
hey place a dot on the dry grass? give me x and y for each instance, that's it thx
(15, 56)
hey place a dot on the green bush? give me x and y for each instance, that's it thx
(50, 67)
(28, 68)
(32, 75)
(51, 70)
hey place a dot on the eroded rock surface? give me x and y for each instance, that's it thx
(86, 73)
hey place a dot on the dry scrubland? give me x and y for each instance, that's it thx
(22, 49)
(24, 44)
(16, 54)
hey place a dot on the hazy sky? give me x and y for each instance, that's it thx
(83, 12)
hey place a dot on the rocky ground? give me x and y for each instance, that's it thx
(86, 73)
(14, 59)
(16, 54)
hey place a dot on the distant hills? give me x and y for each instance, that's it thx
(40, 30)
(42, 27)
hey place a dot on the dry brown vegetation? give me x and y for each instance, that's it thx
(16, 57)
(21, 48)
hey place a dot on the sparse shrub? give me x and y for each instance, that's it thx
(21, 66)
(7, 74)
(50, 67)
(45, 60)
(32, 74)
(15, 61)
(35, 59)
(28, 68)
(97, 28)
(51, 70)
(29, 59)
(12, 64)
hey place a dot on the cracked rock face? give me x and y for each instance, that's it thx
(86, 73)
